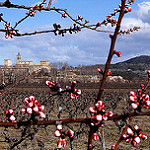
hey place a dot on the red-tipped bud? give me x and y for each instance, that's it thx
(47, 82)
(142, 86)
(128, 9)
(99, 104)
(148, 72)
(32, 98)
(109, 73)
(41, 108)
(95, 137)
(110, 114)
(133, 143)
(41, 114)
(105, 117)
(144, 136)
(113, 147)
(59, 144)
(64, 143)
(118, 53)
(70, 133)
(92, 110)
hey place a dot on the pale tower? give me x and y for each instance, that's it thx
(18, 58)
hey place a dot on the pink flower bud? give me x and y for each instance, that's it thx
(35, 109)
(148, 72)
(72, 95)
(11, 111)
(30, 104)
(23, 110)
(136, 128)
(48, 82)
(134, 105)
(78, 92)
(132, 93)
(99, 104)
(92, 110)
(41, 108)
(110, 113)
(57, 133)
(32, 98)
(132, 99)
(142, 86)
(26, 101)
(129, 9)
(42, 115)
(137, 139)
(129, 131)
(99, 117)
(59, 127)
(12, 118)
(147, 103)
(95, 136)
(105, 117)
(128, 140)
(29, 110)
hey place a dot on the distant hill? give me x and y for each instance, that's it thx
(144, 59)
(131, 69)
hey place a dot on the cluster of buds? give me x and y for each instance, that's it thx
(72, 90)
(112, 21)
(9, 114)
(62, 135)
(34, 107)
(134, 135)
(102, 72)
(123, 32)
(54, 86)
(31, 12)
(139, 101)
(74, 29)
(63, 15)
(117, 53)
(79, 18)
(10, 32)
(131, 1)
(128, 9)
(99, 114)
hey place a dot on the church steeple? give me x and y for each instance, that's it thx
(18, 58)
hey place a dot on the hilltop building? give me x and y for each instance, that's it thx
(20, 64)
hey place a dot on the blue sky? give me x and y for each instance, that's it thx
(86, 47)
